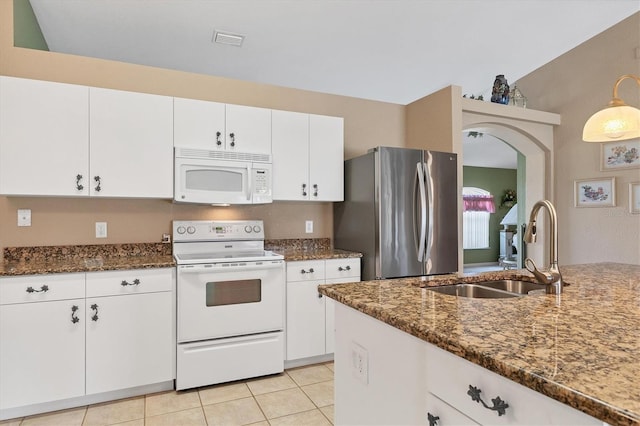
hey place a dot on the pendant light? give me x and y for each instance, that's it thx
(616, 122)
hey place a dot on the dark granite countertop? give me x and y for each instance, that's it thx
(581, 348)
(88, 258)
(308, 249)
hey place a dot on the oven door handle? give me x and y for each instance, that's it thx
(193, 269)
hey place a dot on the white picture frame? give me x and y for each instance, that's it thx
(634, 198)
(599, 192)
(620, 155)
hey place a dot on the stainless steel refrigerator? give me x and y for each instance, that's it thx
(400, 211)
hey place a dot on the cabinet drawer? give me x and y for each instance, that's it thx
(41, 288)
(449, 378)
(343, 268)
(113, 283)
(308, 270)
(443, 414)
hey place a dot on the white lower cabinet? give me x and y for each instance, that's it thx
(310, 324)
(129, 329)
(65, 336)
(429, 385)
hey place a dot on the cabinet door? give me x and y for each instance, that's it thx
(44, 144)
(42, 352)
(131, 136)
(305, 320)
(290, 146)
(248, 129)
(326, 157)
(198, 124)
(129, 341)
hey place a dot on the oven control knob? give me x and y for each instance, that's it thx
(181, 230)
(247, 229)
(257, 228)
(191, 230)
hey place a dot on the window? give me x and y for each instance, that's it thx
(475, 217)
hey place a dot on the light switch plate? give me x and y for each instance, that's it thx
(24, 217)
(308, 226)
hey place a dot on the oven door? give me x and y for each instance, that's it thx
(232, 299)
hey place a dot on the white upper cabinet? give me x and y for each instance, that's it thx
(199, 124)
(131, 138)
(290, 140)
(307, 157)
(326, 158)
(215, 126)
(70, 140)
(44, 138)
(248, 129)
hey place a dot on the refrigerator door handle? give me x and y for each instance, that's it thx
(429, 236)
(420, 238)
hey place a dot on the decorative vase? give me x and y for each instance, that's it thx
(500, 92)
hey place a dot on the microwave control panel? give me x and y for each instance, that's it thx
(261, 180)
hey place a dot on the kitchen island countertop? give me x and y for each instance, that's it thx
(581, 348)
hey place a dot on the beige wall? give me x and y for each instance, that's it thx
(575, 85)
(71, 221)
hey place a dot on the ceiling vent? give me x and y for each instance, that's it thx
(228, 38)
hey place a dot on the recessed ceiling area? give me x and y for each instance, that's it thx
(485, 150)
(394, 51)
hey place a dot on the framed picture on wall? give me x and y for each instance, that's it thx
(634, 197)
(595, 192)
(620, 155)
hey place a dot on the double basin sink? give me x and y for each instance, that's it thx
(491, 289)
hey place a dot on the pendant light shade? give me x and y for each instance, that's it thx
(617, 122)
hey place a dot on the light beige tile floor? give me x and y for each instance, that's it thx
(299, 396)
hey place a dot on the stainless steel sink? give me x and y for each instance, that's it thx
(514, 286)
(473, 290)
(490, 289)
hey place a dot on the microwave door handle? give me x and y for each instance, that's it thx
(249, 182)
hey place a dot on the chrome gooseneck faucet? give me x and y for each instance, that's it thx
(550, 277)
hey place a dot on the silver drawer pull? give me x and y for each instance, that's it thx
(43, 289)
(346, 268)
(310, 271)
(124, 283)
(498, 404)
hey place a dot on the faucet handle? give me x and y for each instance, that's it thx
(544, 277)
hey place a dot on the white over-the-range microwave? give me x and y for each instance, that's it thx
(220, 177)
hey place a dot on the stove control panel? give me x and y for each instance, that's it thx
(211, 230)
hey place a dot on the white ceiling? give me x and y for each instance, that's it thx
(387, 50)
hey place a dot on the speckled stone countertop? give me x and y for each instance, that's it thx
(581, 348)
(307, 249)
(84, 258)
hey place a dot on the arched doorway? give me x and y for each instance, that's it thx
(533, 139)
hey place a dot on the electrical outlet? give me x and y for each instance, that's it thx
(360, 363)
(24, 217)
(308, 226)
(101, 229)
